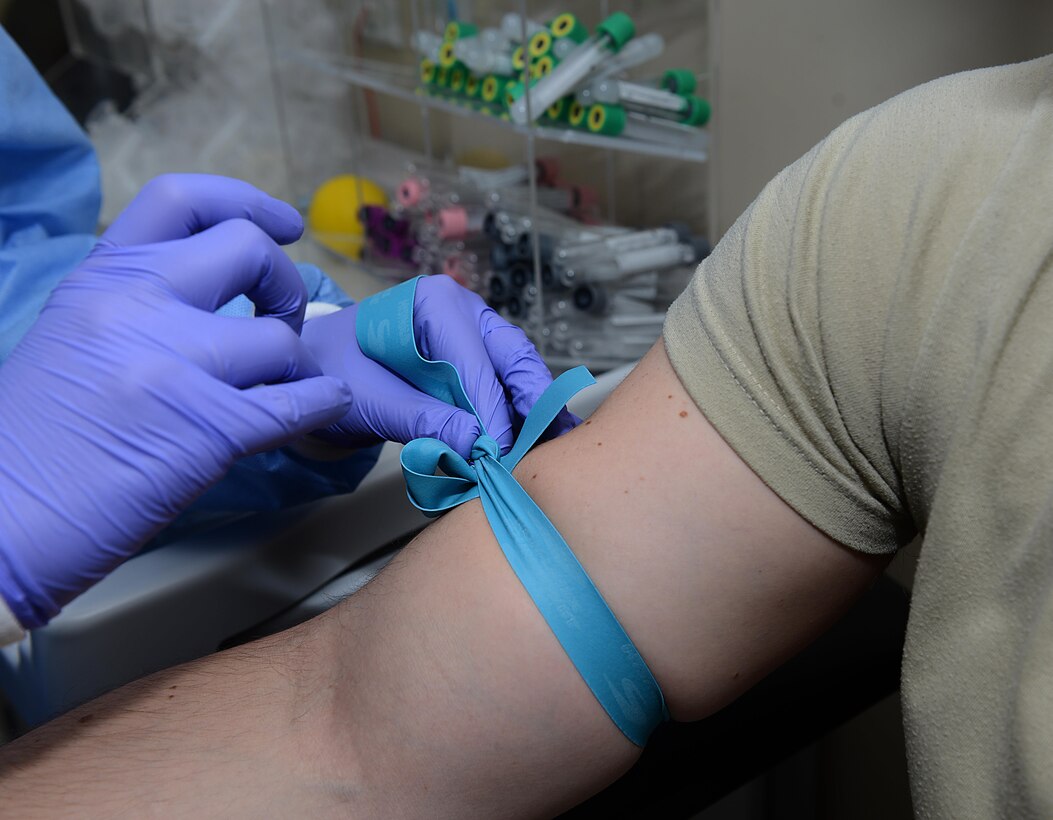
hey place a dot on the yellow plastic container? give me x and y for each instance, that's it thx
(333, 215)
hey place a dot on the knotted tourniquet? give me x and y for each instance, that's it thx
(437, 478)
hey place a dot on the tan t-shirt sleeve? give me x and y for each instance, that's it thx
(874, 337)
(799, 337)
(752, 341)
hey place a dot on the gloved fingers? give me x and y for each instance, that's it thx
(465, 352)
(397, 411)
(211, 268)
(244, 352)
(521, 369)
(287, 412)
(435, 419)
(175, 206)
(444, 330)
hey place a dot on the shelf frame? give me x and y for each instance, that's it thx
(402, 84)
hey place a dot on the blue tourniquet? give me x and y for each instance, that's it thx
(549, 571)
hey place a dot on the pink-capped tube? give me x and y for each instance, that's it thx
(411, 191)
(457, 222)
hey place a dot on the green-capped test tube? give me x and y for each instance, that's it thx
(608, 120)
(559, 111)
(456, 29)
(698, 111)
(576, 114)
(427, 72)
(473, 86)
(540, 44)
(458, 77)
(679, 81)
(542, 67)
(447, 54)
(610, 36)
(513, 92)
(655, 102)
(493, 89)
(615, 121)
(519, 59)
(568, 27)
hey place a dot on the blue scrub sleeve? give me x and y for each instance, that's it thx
(49, 193)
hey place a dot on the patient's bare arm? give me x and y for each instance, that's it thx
(439, 690)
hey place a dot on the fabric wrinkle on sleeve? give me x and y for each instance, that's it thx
(750, 342)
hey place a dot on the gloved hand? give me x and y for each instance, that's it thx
(129, 397)
(500, 369)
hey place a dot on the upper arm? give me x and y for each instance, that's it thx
(438, 690)
(714, 578)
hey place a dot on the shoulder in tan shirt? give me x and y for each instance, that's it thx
(874, 337)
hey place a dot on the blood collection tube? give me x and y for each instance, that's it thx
(501, 254)
(500, 286)
(646, 99)
(457, 222)
(617, 243)
(590, 299)
(520, 273)
(638, 50)
(426, 189)
(412, 191)
(615, 121)
(597, 346)
(612, 266)
(510, 226)
(610, 36)
(524, 246)
(483, 57)
(518, 198)
(427, 44)
(512, 26)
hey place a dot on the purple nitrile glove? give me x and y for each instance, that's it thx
(500, 369)
(129, 397)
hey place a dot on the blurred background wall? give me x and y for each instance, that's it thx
(791, 72)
